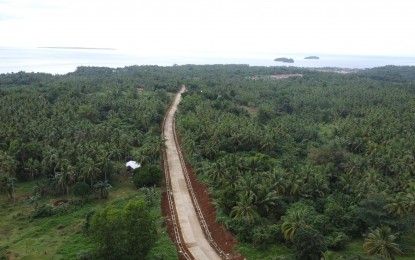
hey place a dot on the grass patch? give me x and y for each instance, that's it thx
(163, 249)
(269, 253)
(60, 236)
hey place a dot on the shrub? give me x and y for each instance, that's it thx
(86, 223)
(337, 240)
(308, 244)
(148, 176)
(264, 235)
(42, 211)
(127, 233)
(81, 189)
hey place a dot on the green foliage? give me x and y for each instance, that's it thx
(337, 240)
(147, 176)
(86, 255)
(381, 242)
(88, 112)
(163, 249)
(341, 144)
(150, 195)
(47, 210)
(126, 233)
(103, 188)
(87, 221)
(65, 129)
(372, 212)
(263, 236)
(272, 252)
(79, 125)
(81, 189)
(308, 244)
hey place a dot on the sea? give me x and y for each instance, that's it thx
(65, 60)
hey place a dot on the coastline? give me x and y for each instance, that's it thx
(62, 60)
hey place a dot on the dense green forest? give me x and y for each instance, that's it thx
(64, 141)
(314, 162)
(302, 167)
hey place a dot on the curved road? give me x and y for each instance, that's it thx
(191, 230)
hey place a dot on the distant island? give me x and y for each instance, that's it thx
(284, 60)
(312, 58)
(78, 48)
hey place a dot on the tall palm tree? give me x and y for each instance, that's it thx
(267, 143)
(104, 187)
(90, 170)
(382, 242)
(410, 200)
(8, 167)
(155, 146)
(266, 197)
(7, 185)
(292, 221)
(32, 166)
(216, 173)
(245, 210)
(65, 177)
(105, 164)
(397, 205)
(248, 185)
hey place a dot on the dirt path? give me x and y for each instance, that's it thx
(191, 230)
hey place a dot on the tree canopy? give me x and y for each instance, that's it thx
(127, 233)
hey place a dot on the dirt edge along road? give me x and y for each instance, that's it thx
(191, 236)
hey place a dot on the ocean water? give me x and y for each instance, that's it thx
(61, 61)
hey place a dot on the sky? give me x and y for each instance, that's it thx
(243, 27)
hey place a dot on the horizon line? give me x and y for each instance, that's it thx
(76, 48)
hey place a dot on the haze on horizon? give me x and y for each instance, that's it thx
(182, 27)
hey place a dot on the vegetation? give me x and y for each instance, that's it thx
(381, 242)
(314, 162)
(127, 233)
(311, 58)
(282, 59)
(148, 176)
(297, 167)
(63, 145)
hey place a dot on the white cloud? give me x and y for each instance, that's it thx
(181, 26)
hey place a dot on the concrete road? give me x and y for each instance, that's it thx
(192, 232)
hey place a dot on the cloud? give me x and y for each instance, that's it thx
(181, 26)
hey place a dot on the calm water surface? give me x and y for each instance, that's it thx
(61, 61)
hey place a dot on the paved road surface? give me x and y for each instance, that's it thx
(192, 232)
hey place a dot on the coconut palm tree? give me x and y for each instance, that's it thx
(104, 187)
(65, 177)
(32, 166)
(397, 205)
(216, 173)
(266, 197)
(8, 167)
(410, 200)
(245, 210)
(90, 170)
(382, 242)
(7, 185)
(292, 221)
(105, 164)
